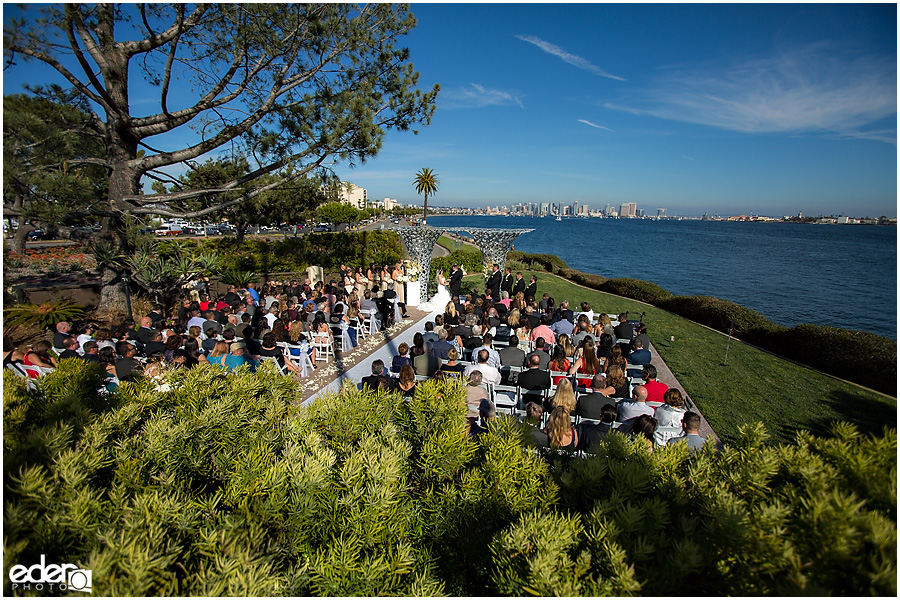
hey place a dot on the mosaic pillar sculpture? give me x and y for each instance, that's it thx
(419, 243)
(495, 243)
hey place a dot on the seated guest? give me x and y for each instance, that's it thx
(590, 434)
(406, 381)
(543, 331)
(615, 359)
(640, 333)
(426, 363)
(585, 311)
(488, 373)
(493, 355)
(126, 367)
(270, 349)
(380, 379)
(512, 356)
(401, 359)
(218, 354)
(475, 393)
(561, 325)
(590, 406)
(441, 347)
(690, 424)
(624, 330)
(669, 414)
(430, 335)
(70, 348)
(560, 431)
(617, 380)
(559, 362)
(91, 351)
(637, 406)
(587, 364)
(535, 380)
(642, 428)
(212, 337)
(534, 435)
(451, 366)
(583, 332)
(62, 332)
(655, 389)
(418, 348)
(486, 411)
(564, 396)
(236, 357)
(540, 350)
(640, 355)
(155, 345)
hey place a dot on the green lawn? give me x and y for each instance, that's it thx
(755, 386)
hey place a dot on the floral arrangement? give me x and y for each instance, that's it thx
(413, 270)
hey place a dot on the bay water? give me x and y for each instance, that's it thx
(833, 275)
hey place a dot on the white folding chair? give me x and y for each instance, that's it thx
(324, 349)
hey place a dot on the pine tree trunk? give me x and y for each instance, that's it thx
(17, 242)
(112, 295)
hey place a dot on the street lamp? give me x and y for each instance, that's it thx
(126, 279)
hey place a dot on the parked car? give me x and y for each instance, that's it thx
(321, 227)
(169, 230)
(37, 234)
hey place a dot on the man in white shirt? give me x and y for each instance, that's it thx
(489, 374)
(636, 407)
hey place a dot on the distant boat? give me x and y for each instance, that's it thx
(559, 218)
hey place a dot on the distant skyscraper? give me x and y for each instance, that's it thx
(639, 212)
(660, 213)
(628, 210)
(575, 208)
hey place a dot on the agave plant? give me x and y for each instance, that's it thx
(106, 255)
(238, 277)
(43, 315)
(209, 263)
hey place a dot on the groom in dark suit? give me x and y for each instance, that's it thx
(493, 282)
(456, 276)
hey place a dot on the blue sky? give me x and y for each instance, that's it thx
(722, 108)
(729, 108)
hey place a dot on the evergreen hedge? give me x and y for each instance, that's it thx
(211, 484)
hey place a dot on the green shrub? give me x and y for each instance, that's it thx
(221, 484)
(636, 289)
(589, 280)
(543, 262)
(717, 313)
(858, 356)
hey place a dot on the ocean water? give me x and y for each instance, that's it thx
(834, 275)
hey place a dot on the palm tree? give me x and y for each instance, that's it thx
(426, 182)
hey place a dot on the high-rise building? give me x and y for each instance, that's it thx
(353, 195)
(575, 208)
(545, 209)
(628, 209)
(660, 213)
(639, 213)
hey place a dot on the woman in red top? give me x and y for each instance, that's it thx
(586, 364)
(559, 362)
(39, 356)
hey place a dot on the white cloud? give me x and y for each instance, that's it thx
(572, 59)
(815, 89)
(477, 96)
(586, 122)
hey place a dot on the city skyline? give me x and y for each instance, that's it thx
(771, 109)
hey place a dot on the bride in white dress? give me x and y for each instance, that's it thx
(438, 301)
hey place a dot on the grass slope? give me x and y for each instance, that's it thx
(755, 386)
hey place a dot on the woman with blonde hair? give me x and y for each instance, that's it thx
(451, 317)
(565, 396)
(563, 436)
(566, 342)
(604, 325)
(218, 354)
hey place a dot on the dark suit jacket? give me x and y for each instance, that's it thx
(507, 284)
(639, 357)
(493, 283)
(591, 434)
(151, 347)
(624, 331)
(143, 335)
(372, 382)
(518, 286)
(589, 405)
(534, 379)
(531, 290)
(455, 282)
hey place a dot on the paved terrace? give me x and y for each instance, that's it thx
(329, 377)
